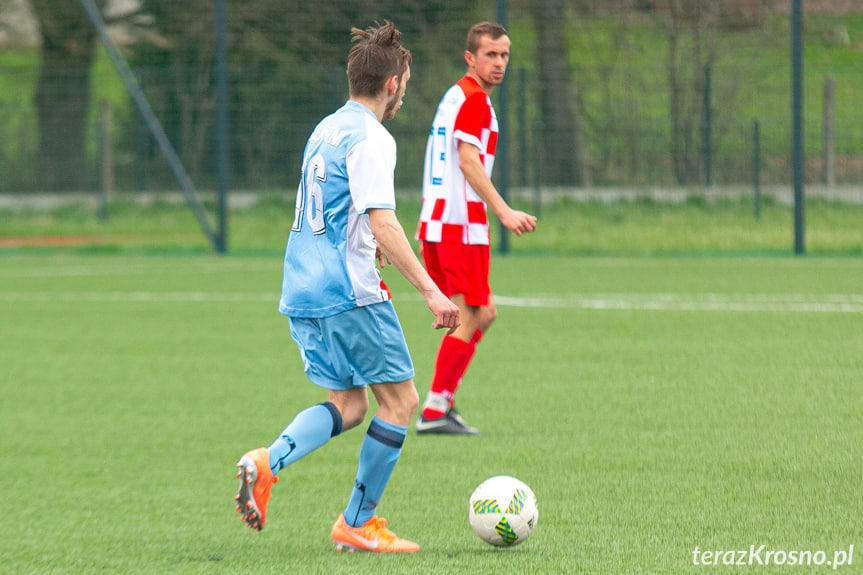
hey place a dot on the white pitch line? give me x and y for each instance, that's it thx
(836, 303)
(783, 302)
(140, 296)
(825, 303)
(137, 269)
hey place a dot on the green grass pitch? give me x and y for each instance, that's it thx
(654, 405)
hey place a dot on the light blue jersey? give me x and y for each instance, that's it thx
(348, 167)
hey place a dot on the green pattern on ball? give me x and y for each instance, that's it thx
(505, 531)
(485, 506)
(517, 503)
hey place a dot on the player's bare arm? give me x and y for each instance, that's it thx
(395, 247)
(471, 165)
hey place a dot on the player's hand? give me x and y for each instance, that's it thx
(382, 258)
(446, 314)
(518, 222)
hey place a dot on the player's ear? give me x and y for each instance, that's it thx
(393, 85)
(468, 58)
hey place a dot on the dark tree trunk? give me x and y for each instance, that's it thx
(561, 156)
(63, 92)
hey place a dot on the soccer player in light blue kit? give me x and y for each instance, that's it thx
(340, 312)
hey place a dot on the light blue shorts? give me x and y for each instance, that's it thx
(355, 348)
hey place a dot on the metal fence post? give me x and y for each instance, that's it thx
(502, 147)
(222, 127)
(797, 113)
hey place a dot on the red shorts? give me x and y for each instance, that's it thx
(459, 269)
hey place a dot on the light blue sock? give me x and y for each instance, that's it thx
(378, 456)
(310, 429)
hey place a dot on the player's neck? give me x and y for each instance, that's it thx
(487, 88)
(377, 105)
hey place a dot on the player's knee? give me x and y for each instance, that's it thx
(489, 314)
(397, 402)
(412, 401)
(353, 416)
(406, 403)
(353, 413)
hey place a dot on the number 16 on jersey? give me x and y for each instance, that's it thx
(310, 196)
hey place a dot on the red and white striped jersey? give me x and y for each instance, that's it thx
(452, 211)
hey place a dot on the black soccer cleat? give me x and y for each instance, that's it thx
(450, 423)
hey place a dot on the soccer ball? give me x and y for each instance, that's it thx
(503, 511)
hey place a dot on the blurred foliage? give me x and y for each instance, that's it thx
(286, 66)
(600, 92)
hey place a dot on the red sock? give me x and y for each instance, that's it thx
(453, 357)
(477, 335)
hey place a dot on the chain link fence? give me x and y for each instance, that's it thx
(602, 99)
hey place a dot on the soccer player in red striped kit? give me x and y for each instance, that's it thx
(453, 225)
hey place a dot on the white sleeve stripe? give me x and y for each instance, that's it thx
(468, 139)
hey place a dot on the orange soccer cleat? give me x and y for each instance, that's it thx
(372, 536)
(256, 484)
